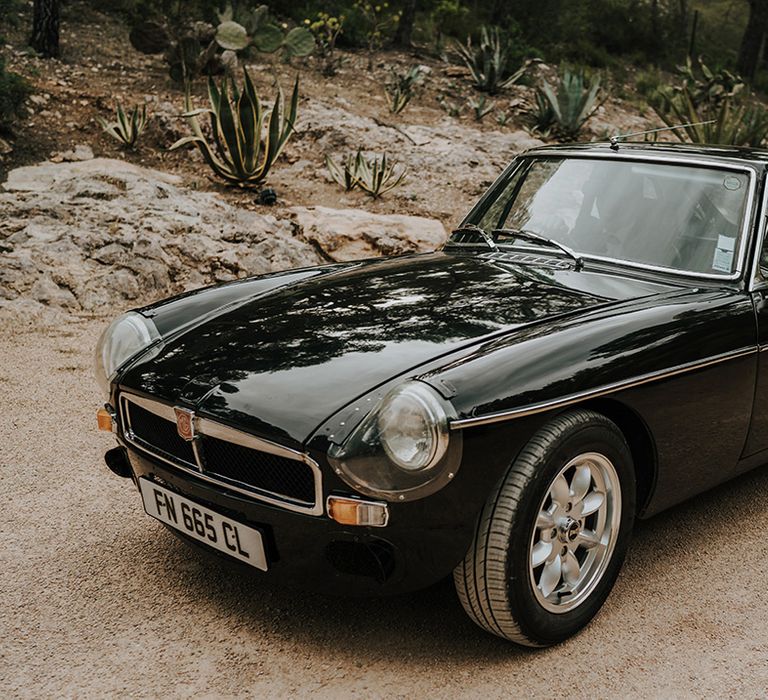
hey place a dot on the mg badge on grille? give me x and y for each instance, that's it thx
(185, 423)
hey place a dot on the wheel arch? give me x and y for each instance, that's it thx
(640, 441)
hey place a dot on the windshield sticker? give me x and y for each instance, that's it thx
(732, 183)
(723, 259)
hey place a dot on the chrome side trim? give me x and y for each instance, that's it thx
(159, 409)
(210, 428)
(757, 280)
(571, 399)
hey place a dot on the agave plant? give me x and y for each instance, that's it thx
(128, 128)
(564, 109)
(724, 121)
(236, 151)
(345, 173)
(711, 108)
(481, 107)
(488, 61)
(402, 87)
(375, 176)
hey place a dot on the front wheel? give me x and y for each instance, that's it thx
(551, 539)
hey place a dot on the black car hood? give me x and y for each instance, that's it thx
(280, 364)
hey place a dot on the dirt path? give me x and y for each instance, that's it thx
(97, 599)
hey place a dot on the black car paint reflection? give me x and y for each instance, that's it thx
(298, 358)
(287, 360)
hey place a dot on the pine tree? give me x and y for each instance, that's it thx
(45, 28)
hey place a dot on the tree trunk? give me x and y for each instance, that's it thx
(405, 25)
(45, 28)
(656, 44)
(757, 24)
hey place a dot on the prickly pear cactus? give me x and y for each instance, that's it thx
(149, 38)
(268, 38)
(299, 42)
(232, 36)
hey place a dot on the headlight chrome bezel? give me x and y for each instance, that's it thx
(125, 338)
(368, 461)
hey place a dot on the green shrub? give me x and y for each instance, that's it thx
(327, 29)
(377, 20)
(727, 121)
(14, 89)
(647, 82)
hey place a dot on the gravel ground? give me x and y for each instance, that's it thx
(98, 599)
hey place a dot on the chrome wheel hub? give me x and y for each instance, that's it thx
(575, 532)
(568, 530)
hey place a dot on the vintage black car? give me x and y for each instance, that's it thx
(584, 351)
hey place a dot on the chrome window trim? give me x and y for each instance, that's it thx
(532, 409)
(757, 280)
(210, 428)
(677, 160)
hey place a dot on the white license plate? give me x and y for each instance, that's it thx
(201, 523)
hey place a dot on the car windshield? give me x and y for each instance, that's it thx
(682, 217)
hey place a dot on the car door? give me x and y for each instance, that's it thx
(757, 439)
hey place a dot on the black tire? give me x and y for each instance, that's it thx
(494, 582)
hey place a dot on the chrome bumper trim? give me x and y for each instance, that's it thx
(571, 399)
(207, 427)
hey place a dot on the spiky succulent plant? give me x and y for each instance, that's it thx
(344, 173)
(402, 87)
(375, 175)
(488, 61)
(127, 128)
(235, 150)
(565, 107)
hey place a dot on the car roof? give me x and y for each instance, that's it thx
(717, 153)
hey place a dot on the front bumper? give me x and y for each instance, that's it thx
(422, 543)
(317, 552)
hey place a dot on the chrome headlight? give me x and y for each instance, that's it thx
(403, 449)
(123, 339)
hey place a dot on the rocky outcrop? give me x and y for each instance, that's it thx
(96, 234)
(351, 234)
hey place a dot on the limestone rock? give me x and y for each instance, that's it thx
(351, 234)
(46, 291)
(79, 152)
(100, 233)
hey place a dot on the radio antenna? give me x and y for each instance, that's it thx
(620, 137)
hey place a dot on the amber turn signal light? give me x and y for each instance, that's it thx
(351, 511)
(104, 420)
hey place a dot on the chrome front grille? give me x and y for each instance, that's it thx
(229, 457)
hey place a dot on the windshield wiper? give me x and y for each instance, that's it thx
(538, 238)
(472, 228)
